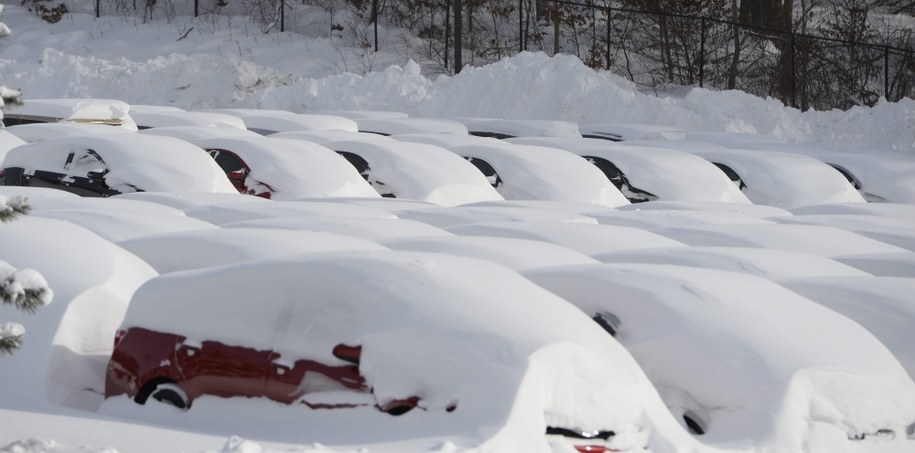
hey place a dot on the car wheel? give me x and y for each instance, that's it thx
(170, 393)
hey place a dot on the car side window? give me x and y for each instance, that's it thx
(362, 166)
(491, 175)
(228, 161)
(85, 162)
(732, 175)
(619, 179)
(847, 174)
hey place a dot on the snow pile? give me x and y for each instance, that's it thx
(216, 67)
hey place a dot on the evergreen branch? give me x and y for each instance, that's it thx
(14, 208)
(10, 344)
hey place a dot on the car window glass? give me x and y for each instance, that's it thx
(732, 175)
(847, 174)
(491, 175)
(229, 162)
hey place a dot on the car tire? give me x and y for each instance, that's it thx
(172, 394)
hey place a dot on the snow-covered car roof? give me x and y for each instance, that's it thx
(293, 169)
(370, 228)
(364, 114)
(733, 139)
(516, 254)
(590, 239)
(118, 225)
(441, 351)
(880, 209)
(898, 231)
(822, 240)
(619, 132)
(667, 174)
(889, 264)
(134, 162)
(35, 132)
(183, 250)
(8, 141)
(785, 180)
(526, 172)
(419, 172)
(882, 176)
(883, 305)
(474, 213)
(771, 264)
(503, 128)
(185, 200)
(224, 213)
(325, 137)
(755, 210)
(271, 121)
(390, 126)
(191, 133)
(99, 111)
(659, 218)
(732, 350)
(153, 119)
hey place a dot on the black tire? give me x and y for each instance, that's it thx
(172, 394)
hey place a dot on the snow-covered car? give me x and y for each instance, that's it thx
(90, 111)
(415, 171)
(411, 125)
(266, 122)
(110, 164)
(507, 128)
(369, 228)
(621, 132)
(36, 132)
(786, 180)
(743, 362)
(191, 133)
(285, 169)
(898, 231)
(882, 305)
(826, 241)
(516, 254)
(147, 119)
(195, 249)
(771, 264)
(228, 212)
(643, 175)
(448, 216)
(530, 172)
(341, 335)
(879, 176)
(589, 239)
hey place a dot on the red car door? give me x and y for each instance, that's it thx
(214, 368)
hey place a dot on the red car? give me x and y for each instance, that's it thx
(170, 369)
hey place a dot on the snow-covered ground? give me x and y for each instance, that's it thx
(759, 367)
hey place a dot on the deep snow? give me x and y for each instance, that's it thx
(51, 386)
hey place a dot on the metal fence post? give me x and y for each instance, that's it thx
(886, 72)
(282, 15)
(98, 8)
(520, 26)
(458, 31)
(702, 54)
(793, 71)
(447, 31)
(609, 29)
(375, 22)
(196, 8)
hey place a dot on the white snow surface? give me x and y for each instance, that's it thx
(521, 358)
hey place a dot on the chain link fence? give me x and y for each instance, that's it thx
(662, 53)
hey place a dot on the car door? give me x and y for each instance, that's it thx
(216, 368)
